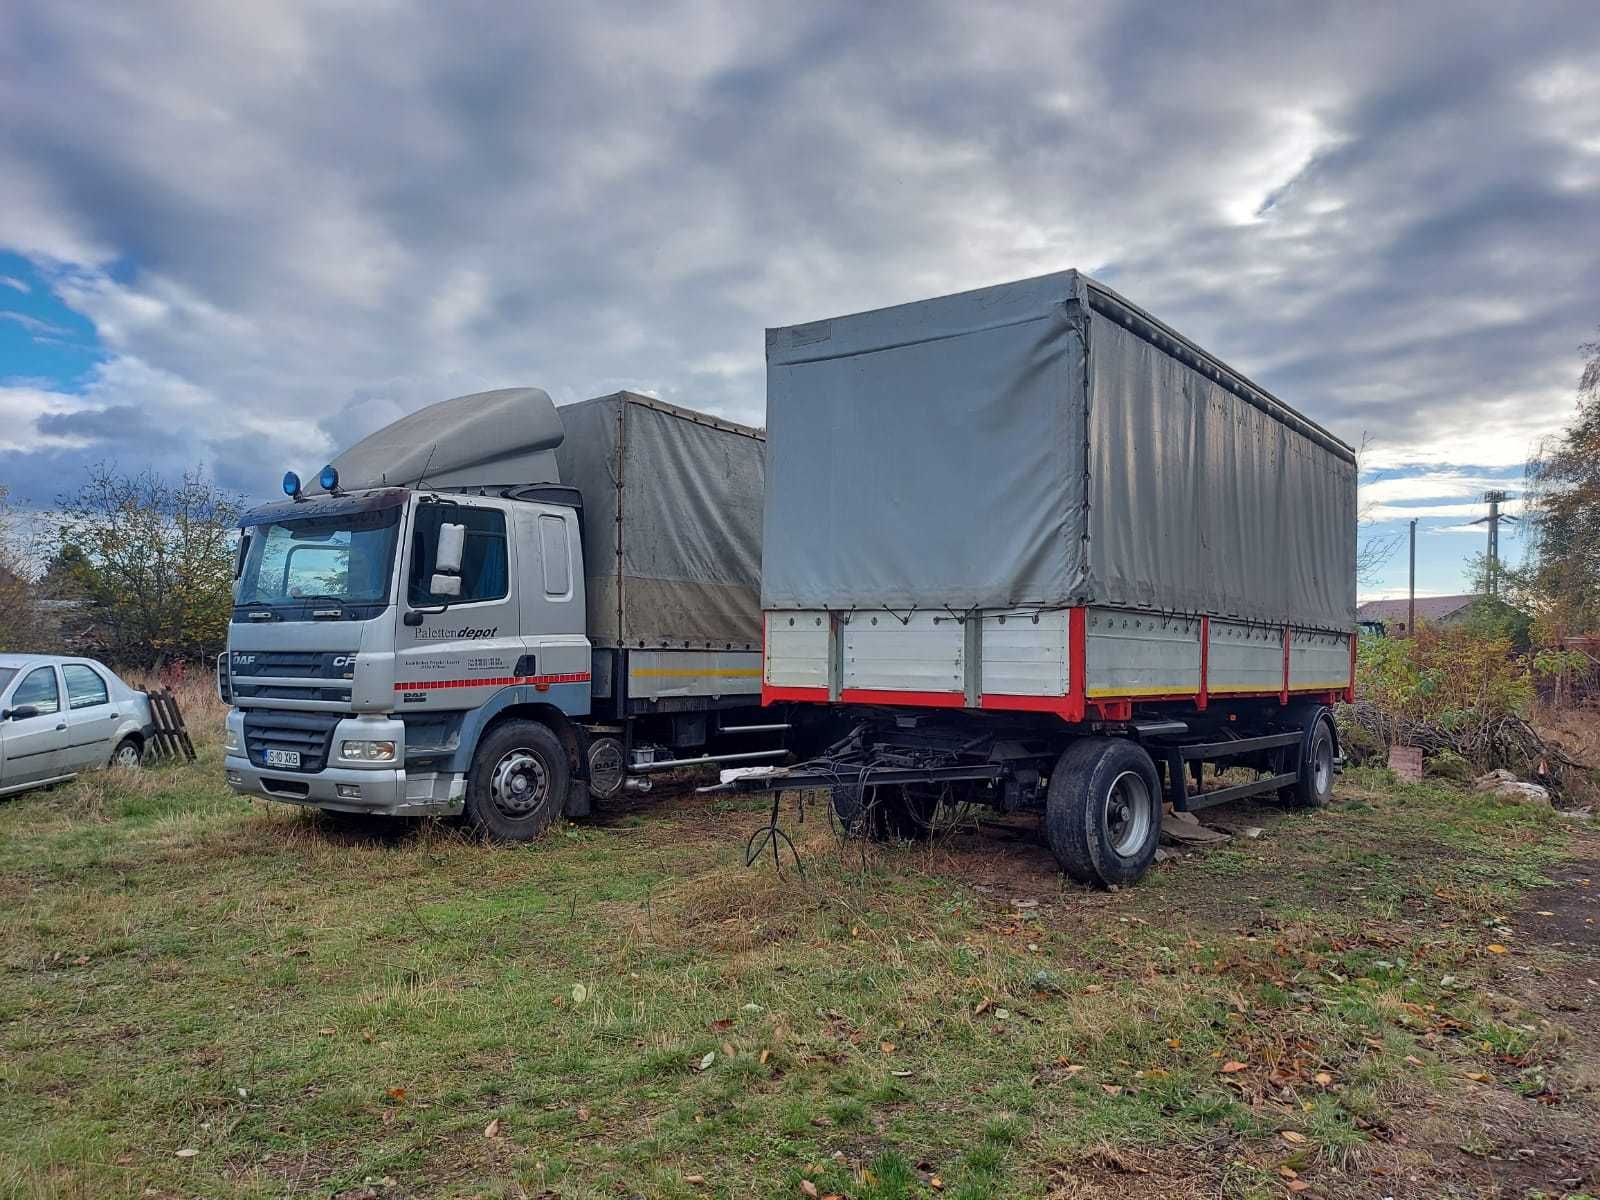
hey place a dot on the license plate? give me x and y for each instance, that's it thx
(283, 758)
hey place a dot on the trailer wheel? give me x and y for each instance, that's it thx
(518, 782)
(1103, 811)
(1315, 786)
(892, 814)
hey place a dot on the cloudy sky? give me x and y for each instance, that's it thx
(245, 234)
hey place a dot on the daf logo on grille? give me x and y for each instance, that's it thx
(345, 660)
(244, 660)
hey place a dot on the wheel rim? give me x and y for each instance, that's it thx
(1322, 766)
(1128, 813)
(127, 756)
(519, 785)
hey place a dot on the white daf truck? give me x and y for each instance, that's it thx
(497, 608)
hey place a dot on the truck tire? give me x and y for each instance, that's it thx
(518, 782)
(1103, 811)
(1315, 786)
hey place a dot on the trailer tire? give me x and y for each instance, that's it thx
(1315, 786)
(518, 783)
(888, 816)
(1103, 811)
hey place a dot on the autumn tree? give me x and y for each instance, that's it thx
(154, 560)
(1561, 580)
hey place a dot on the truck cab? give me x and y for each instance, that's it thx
(411, 634)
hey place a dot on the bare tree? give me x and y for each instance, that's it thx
(23, 623)
(1374, 549)
(153, 558)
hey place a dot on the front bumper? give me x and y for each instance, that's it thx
(391, 793)
(382, 791)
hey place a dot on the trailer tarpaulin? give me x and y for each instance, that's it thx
(672, 522)
(1044, 443)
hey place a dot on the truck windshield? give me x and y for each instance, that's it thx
(345, 558)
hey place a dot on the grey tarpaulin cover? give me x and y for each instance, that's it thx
(1044, 443)
(682, 565)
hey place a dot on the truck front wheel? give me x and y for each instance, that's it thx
(518, 781)
(1103, 811)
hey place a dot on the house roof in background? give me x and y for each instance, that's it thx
(1429, 608)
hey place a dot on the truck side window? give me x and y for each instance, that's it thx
(485, 572)
(556, 556)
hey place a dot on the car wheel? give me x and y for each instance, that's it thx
(129, 754)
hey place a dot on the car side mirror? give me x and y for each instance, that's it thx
(445, 585)
(447, 557)
(20, 713)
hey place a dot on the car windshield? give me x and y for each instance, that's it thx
(345, 558)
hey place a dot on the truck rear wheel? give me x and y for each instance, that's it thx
(518, 782)
(1103, 811)
(1315, 785)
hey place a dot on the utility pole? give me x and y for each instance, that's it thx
(1491, 574)
(1411, 606)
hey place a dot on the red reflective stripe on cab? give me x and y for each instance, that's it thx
(429, 685)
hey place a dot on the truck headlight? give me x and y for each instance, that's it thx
(367, 751)
(230, 740)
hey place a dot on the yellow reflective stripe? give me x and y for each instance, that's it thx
(1154, 689)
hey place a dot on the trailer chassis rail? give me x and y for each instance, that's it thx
(1178, 756)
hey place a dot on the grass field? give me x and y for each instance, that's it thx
(201, 996)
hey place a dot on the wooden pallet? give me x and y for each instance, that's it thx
(170, 738)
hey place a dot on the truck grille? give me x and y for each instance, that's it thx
(285, 691)
(308, 733)
(293, 664)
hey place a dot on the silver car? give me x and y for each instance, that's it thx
(62, 715)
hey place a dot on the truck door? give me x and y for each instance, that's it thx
(458, 657)
(553, 614)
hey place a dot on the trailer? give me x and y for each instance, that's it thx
(1044, 552)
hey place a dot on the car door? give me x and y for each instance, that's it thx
(35, 746)
(92, 718)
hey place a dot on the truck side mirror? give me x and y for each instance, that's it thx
(447, 558)
(445, 585)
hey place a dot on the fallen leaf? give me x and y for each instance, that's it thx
(1543, 913)
(697, 1180)
(1298, 1185)
(397, 1094)
(1413, 1060)
(583, 1113)
(983, 1006)
(1175, 1043)
(722, 1023)
(1002, 1014)
(1111, 1089)
(727, 1049)
(936, 1184)
(1478, 1077)
(765, 1054)
(492, 1129)
(1496, 948)
(579, 993)
(1322, 1079)
(886, 1047)
(808, 1188)
(1229, 1068)
(1288, 1172)
(711, 1057)
(186, 1153)
(1293, 1138)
